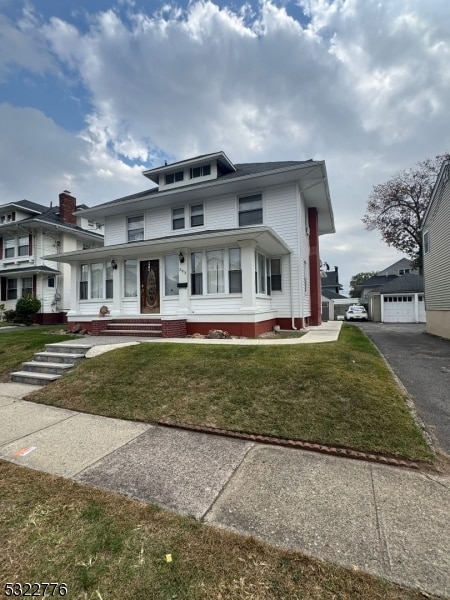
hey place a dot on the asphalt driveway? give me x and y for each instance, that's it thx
(422, 363)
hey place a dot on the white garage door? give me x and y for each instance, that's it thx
(402, 308)
(398, 309)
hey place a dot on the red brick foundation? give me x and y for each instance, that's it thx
(58, 318)
(181, 328)
(176, 328)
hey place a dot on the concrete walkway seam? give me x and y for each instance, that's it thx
(296, 444)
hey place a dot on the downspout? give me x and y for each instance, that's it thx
(291, 293)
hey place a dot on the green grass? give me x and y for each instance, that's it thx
(19, 345)
(107, 547)
(339, 393)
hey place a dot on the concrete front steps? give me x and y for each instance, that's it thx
(49, 365)
(133, 327)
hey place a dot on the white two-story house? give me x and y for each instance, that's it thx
(215, 245)
(28, 231)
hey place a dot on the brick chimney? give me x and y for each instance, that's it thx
(67, 206)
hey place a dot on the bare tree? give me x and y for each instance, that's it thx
(397, 207)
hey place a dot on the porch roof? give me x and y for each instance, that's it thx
(29, 271)
(265, 238)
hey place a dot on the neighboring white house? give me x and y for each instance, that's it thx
(436, 255)
(28, 231)
(214, 245)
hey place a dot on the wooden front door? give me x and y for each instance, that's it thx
(149, 272)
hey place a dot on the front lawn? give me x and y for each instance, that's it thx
(338, 393)
(102, 546)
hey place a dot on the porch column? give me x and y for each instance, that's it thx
(248, 269)
(183, 278)
(75, 289)
(416, 308)
(116, 308)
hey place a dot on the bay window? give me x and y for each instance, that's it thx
(96, 281)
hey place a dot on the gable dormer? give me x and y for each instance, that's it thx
(202, 168)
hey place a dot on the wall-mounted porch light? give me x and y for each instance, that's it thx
(113, 265)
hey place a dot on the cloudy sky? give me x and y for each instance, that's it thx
(92, 92)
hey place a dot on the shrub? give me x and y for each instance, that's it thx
(26, 306)
(10, 316)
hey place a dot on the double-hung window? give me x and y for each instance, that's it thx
(10, 248)
(275, 274)
(178, 218)
(97, 280)
(196, 273)
(135, 227)
(109, 280)
(250, 210)
(24, 246)
(263, 276)
(11, 289)
(27, 286)
(234, 271)
(84, 281)
(197, 218)
(215, 272)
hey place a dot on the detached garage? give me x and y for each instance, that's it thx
(401, 300)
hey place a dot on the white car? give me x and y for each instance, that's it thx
(357, 313)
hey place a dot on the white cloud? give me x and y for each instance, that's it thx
(364, 84)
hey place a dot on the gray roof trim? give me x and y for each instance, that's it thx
(190, 240)
(25, 205)
(220, 156)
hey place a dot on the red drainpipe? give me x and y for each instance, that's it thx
(314, 268)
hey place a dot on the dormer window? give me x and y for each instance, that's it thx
(174, 177)
(202, 171)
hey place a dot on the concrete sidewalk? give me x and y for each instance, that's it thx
(388, 521)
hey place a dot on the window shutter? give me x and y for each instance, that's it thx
(34, 284)
(3, 289)
(30, 244)
(1, 248)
